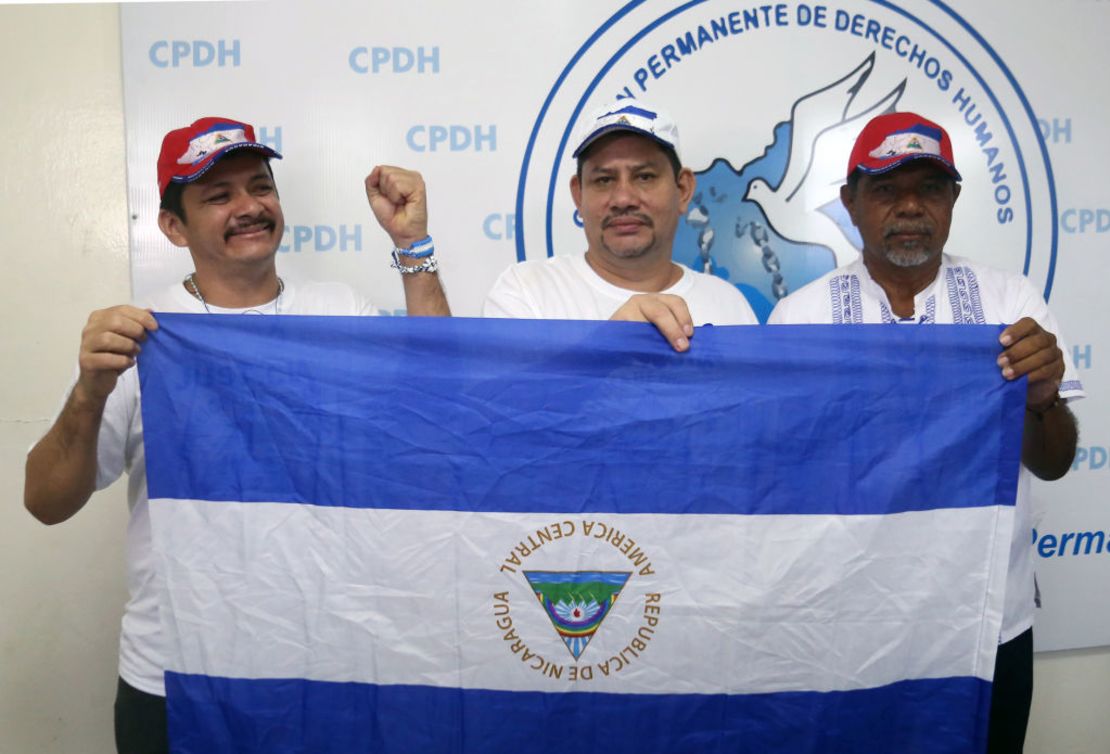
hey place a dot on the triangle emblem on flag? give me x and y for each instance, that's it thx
(577, 602)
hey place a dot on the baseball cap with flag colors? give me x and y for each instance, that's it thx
(890, 141)
(627, 115)
(187, 153)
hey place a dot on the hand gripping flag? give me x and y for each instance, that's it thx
(436, 535)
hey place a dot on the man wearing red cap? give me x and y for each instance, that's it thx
(220, 201)
(902, 186)
(630, 190)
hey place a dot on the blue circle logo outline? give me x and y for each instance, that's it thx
(616, 17)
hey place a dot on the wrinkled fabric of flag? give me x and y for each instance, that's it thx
(451, 535)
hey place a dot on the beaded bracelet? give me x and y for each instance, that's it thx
(431, 264)
(1039, 415)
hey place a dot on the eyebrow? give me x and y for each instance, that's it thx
(633, 168)
(224, 183)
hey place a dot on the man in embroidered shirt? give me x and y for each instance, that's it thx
(630, 190)
(901, 189)
(219, 199)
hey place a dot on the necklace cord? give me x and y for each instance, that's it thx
(191, 283)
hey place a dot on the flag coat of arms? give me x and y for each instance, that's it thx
(451, 535)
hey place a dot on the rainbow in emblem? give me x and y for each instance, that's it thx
(577, 602)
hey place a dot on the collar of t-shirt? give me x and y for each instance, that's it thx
(920, 300)
(191, 303)
(606, 288)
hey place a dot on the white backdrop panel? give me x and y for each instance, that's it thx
(480, 98)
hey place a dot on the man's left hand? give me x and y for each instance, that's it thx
(669, 314)
(400, 203)
(1032, 351)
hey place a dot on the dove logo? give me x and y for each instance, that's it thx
(769, 102)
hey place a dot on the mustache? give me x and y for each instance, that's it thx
(908, 227)
(641, 217)
(250, 225)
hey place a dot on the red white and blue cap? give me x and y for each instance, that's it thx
(627, 115)
(892, 140)
(187, 153)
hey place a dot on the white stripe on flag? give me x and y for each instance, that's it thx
(747, 603)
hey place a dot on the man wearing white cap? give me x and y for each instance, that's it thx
(902, 186)
(219, 199)
(630, 190)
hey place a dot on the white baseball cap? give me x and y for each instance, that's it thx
(628, 115)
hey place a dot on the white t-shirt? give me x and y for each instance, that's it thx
(566, 287)
(964, 292)
(120, 448)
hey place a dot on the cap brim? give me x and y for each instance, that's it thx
(614, 127)
(885, 166)
(205, 165)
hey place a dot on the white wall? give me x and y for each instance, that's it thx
(63, 240)
(63, 237)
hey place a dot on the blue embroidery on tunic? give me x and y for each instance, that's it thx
(976, 299)
(963, 294)
(845, 299)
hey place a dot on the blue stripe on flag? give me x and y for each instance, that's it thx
(542, 416)
(221, 715)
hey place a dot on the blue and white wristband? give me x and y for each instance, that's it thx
(419, 250)
(422, 250)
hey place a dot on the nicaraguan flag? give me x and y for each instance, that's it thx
(493, 536)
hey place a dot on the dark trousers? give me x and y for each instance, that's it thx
(140, 721)
(1011, 695)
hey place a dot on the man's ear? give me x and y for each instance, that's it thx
(173, 227)
(848, 199)
(576, 191)
(687, 182)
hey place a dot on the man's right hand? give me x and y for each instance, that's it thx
(667, 312)
(399, 201)
(61, 468)
(109, 344)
